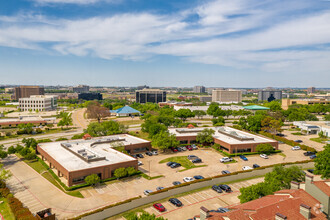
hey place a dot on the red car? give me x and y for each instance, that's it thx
(174, 149)
(159, 207)
(189, 148)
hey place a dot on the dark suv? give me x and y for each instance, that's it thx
(309, 153)
(175, 202)
(225, 188)
(217, 189)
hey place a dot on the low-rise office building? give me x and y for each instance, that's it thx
(76, 159)
(38, 103)
(287, 102)
(230, 140)
(227, 96)
(27, 91)
(36, 121)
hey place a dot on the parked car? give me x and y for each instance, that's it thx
(175, 202)
(140, 155)
(198, 177)
(175, 165)
(179, 149)
(189, 148)
(243, 157)
(311, 170)
(175, 183)
(154, 152)
(225, 172)
(298, 141)
(188, 179)
(217, 189)
(225, 188)
(295, 148)
(309, 153)
(312, 157)
(197, 160)
(247, 168)
(140, 163)
(255, 165)
(264, 156)
(194, 147)
(225, 159)
(159, 188)
(191, 157)
(280, 135)
(223, 210)
(174, 149)
(184, 148)
(147, 192)
(148, 153)
(169, 163)
(159, 207)
(135, 156)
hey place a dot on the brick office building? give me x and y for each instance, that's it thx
(231, 140)
(76, 159)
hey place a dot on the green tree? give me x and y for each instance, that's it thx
(11, 150)
(164, 140)
(144, 216)
(183, 114)
(92, 179)
(96, 111)
(254, 192)
(205, 137)
(322, 162)
(25, 128)
(66, 120)
(212, 110)
(104, 128)
(131, 171)
(199, 113)
(4, 174)
(264, 148)
(327, 117)
(24, 151)
(220, 121)
(274, 106)
(30, 142)
(120, 172)
(30, 156)
(3, 154)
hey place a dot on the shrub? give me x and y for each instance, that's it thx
(77, 136)
(4, 192)
(11, 150)
(61, 139)
(265, 148)
(38, 131)
(44, 140)
(30, 156)
(24, 151)
(8, 134)
(92, 179)
(2, 184)
(19, 148)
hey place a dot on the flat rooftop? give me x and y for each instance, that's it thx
(225, 134)
(82, 154)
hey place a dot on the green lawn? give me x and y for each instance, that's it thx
(131, 122)
(233, 161)
(5, 210)
(183, 160)
(140, 134)
(319, 140)
(37, 166)
(297, 133)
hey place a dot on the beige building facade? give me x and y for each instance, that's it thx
(227, 96)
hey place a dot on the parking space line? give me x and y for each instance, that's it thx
(200, 194)
(208, 194)
(193, 198)
(170, 204)
(185, 200)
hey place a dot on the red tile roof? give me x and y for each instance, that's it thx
(286, 202)
(323, 186)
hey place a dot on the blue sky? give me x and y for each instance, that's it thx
(218, 43)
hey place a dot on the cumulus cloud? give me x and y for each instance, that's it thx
(234, 33)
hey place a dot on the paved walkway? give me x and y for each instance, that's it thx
(37, 193)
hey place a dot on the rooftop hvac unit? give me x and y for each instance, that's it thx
(81, 151)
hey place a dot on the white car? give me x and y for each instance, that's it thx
(140, 163)
(264, 156)
(295, 148)
(184, 148)
(147, 192)
(225, 159)
(247, 168)
(154, 152)
(188, 179)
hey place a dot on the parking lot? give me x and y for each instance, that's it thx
(134, 186)
(207, 198)
(305, 138)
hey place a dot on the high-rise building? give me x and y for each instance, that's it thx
(311, 90)
(81, 89)
(226, 96)
(269, 95)
(150, 95)
(199, 89)
(27, 91)
(38, 103)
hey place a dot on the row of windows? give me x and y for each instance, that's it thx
(29, 101)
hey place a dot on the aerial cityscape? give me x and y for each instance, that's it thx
(164, 110)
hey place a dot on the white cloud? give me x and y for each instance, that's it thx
(81, 2)
(266, 34)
